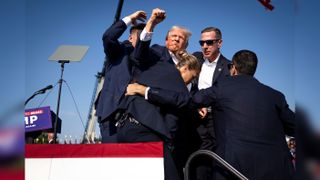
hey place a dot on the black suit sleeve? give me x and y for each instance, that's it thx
(112, 46)
(140, 54)
(205, 97)
(287, 116)
(167, 97)
(145, 56)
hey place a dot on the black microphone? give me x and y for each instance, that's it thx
(43, 90)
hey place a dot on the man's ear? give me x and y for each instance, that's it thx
(130, 38)
(220, 43)
(234, 72)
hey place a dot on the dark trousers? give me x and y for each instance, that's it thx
(207, 133)
(130, 132)
(108, 131)
(186, 142)
(204, 165)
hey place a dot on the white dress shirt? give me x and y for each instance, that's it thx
(206, 74)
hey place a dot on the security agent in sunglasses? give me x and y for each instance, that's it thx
(213, 67)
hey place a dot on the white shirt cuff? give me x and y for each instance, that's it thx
(145, 36)
(127, 20)
(146, 93)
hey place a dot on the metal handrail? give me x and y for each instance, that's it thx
(215, 157)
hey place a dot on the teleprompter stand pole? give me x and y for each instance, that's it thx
(58, 102)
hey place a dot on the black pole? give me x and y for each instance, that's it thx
(118, 12)
(58, 102)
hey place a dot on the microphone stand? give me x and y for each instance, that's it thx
(58, 102)
(29, 137)
(34, 94)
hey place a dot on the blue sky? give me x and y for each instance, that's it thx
(285, 40)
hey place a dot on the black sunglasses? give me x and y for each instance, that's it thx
(208, 42)
(230, 65)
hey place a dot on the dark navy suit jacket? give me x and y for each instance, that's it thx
(157, 70)
(118, 70)
(251, 121)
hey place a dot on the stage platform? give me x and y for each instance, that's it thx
(140, 161)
